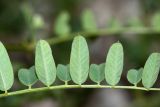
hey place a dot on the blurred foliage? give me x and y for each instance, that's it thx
(88, 21)
(156, 21)
(114, 24)
(11, 19)
(135, 23)
(62, 27)
(151, 5)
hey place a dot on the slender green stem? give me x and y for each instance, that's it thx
(30, 87)
(66, 82)
(98, 84)
(100, 32)
(135, 85)
(6, 92)
(75, 86)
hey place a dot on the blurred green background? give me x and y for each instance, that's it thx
(24, 22)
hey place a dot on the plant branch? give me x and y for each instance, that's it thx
(74, 86)
(101, 32)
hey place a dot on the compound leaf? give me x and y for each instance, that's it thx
(114, 64)
(44, 63)
(27, 76)
(6, 70)
(96, 73)
(63, 72)
(79, 60)
(151, 70)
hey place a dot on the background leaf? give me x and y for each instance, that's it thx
(114, 24)
(135, 23)
(44, 63)
(79, 60)
(151, 70)
(6, 70)
(134, 76)
(156, 22)
(114, 64)
(88, 21)
(37, 22)
(63, 72)
(62, 27)
(27, 76)
(96, 73)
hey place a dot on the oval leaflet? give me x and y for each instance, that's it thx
(6, 70)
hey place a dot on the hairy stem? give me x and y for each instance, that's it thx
(74, 86)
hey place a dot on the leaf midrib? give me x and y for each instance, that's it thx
(80, 75)
(44, 64)
(3, 81)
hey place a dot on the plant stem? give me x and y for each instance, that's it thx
(30, 87)
(66, 82)
(6, 92)
(100, 32)
(75, 86)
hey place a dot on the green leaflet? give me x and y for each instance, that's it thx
(62, 27)
(114, 64)
(44, 63)
(96, 73)
(6, 70)
(63, 72)
(156, 22)
(88, 21)
(79, 60)
(37, 21)
(134, 76)
(135, 23)
(27, 76)
(141, 70)
(114, 24)
(27, 13)
(151, 70)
